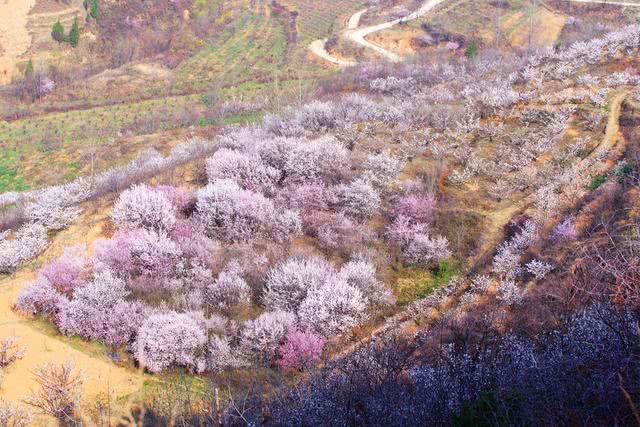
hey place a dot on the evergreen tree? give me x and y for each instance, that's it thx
(74, 33)
(28, 71)
(57, 32)
(472, 50)
(93, 9)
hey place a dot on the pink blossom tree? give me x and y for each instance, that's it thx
(137, 252)
(338, 233)
(402, 230)
(229, 289)
(68, 271)
(423, 250)
(332, 308)
(417, 207)
(566, 230)
(361, 274)
(322, 159)
(223, 356)
(29, 241)
(247, 169)
(318, 116)
(179, 197)
(55, 208)
(39, 297)
(115, 325)
(261, 337)
(232, 213)
(299, 350)
(286, 225)
(193, 243)
(359, 199)
(308, 196)
(381, 169)
(105, 290)
(415, 244)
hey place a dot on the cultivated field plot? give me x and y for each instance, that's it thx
(320, 19)
(252, 49)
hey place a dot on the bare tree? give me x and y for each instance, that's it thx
(615, 266)
(10, 351)
(60, 390)
(13, 416)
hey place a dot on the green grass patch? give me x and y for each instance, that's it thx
(414, 283)
(597, 182)
(95, 349)
(9, 178)
(244, 118)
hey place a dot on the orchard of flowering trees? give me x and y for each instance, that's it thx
(169, 283)
(295, 230)
(182, 262)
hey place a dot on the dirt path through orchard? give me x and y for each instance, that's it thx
(497, 220)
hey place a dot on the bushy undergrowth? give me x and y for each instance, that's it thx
(572, 376)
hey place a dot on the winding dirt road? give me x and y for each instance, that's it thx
(358, 35)
(319, 47)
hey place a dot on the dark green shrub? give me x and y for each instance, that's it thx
(472, 50)
(57, 32)
(28, 71)
(93, 9)
(597, 182)
(74, 33)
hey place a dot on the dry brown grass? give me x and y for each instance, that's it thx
(399, 41)
(544, 30)
(14, 37)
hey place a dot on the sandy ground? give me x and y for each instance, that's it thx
(14, 37)
(547, 26)
(399, 42)
(101, 375)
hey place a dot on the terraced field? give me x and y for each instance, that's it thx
(45, 14)
(319, 19)
(31, 149)
(263, 50)
(258, 44)
(251, 49)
